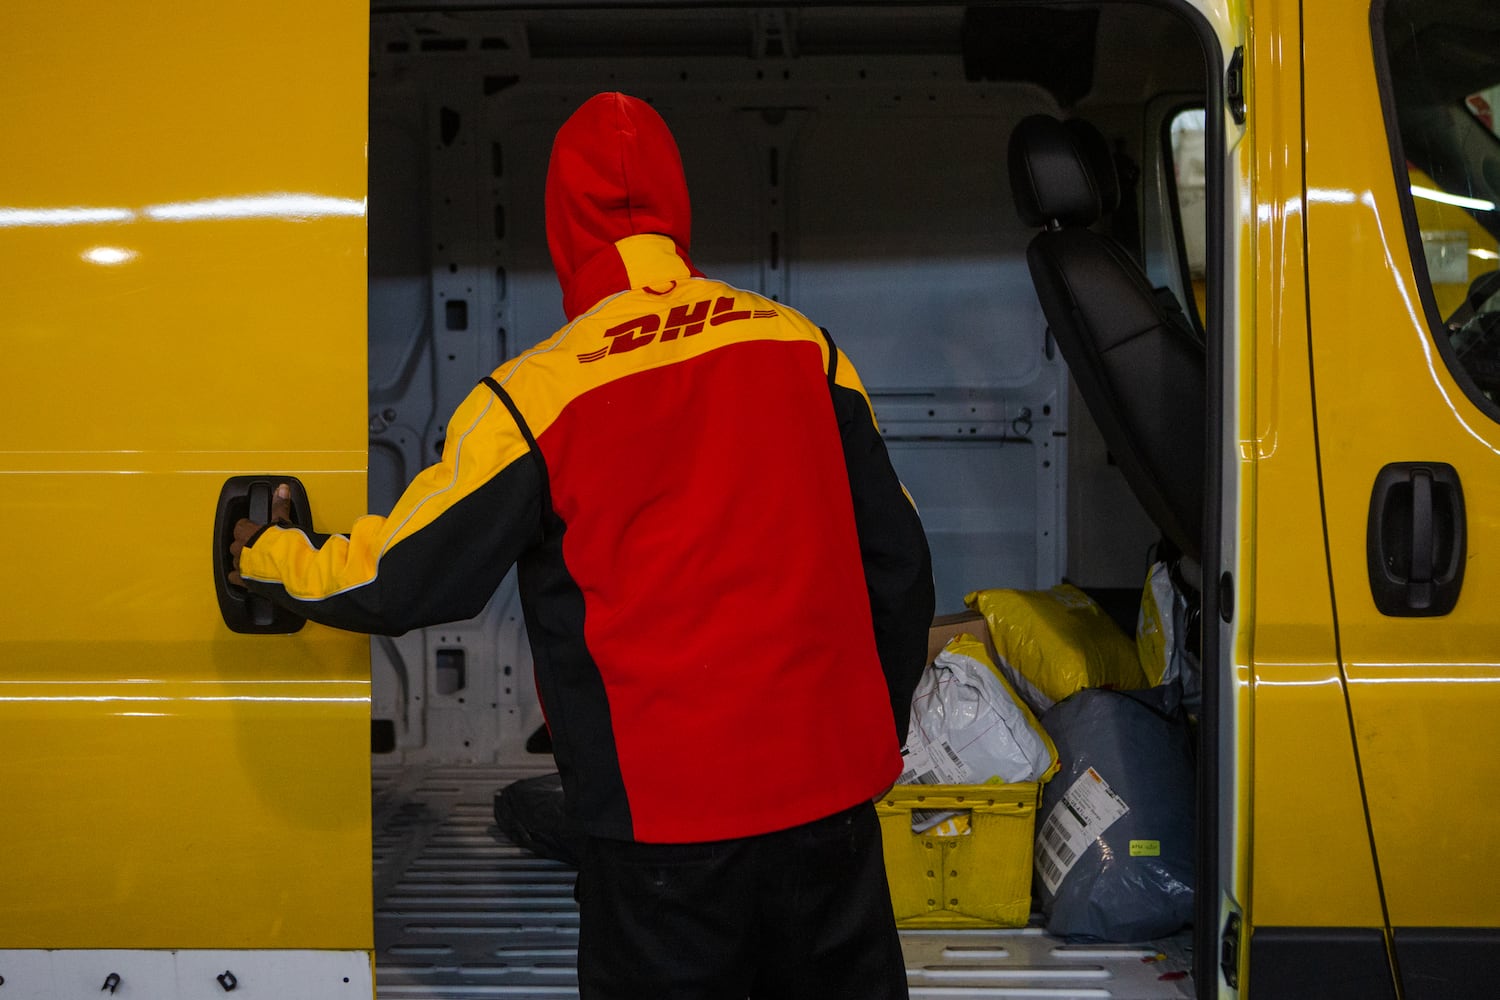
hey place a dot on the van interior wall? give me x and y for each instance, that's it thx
(849, 163)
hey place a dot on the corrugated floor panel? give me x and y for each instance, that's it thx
(460, 913)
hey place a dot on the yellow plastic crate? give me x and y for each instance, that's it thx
(981, 879)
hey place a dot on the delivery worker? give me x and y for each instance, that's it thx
(726, 589)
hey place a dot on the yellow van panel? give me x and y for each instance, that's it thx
(1303, 776)
(1425, 744)
(182, 233)
(160, 814)
(1424, 692)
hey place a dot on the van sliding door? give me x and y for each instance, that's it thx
(182, 267)
(1401, 192)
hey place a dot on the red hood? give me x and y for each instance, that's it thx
(615, 172)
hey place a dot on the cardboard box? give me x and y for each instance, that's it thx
(945, 627)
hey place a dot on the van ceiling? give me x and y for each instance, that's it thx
(1074, 51)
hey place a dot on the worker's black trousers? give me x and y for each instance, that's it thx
(800, 913)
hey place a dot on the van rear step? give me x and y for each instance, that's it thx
(460, 913)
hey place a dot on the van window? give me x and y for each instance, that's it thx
(1186, 155)
(1442, 92)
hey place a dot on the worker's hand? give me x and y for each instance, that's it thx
(245, 529)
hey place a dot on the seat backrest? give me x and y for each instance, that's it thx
(1136, 359)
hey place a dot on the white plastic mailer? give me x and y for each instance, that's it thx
(968, 729)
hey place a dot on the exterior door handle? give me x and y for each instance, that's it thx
(250, 497)
(1416, 539)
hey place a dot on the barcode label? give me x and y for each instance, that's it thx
(1050, 832)
(958, 763)
(1087, 809)
(922, 757)
(1050, 872)
(1058, 842)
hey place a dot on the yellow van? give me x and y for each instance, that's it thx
(197, 795)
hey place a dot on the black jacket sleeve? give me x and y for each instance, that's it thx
(438, 556)
(898, 564)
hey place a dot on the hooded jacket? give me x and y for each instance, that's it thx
(726, 589)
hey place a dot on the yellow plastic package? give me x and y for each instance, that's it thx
(956, 825)
(1153, 630)
(1053, 643)
(1161, 637)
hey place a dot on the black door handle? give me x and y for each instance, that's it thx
(1416, 539)
(250, 497)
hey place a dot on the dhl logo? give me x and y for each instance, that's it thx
(681, 321)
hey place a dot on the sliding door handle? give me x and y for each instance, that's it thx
(1416, 539)
(250, 497)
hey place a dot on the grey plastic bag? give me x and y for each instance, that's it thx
(1115, 835)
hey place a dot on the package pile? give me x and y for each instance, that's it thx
(1069, 700)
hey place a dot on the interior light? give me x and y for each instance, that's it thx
(1478, 204)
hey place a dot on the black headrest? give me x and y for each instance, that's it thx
(1101, 162)
(1061, 172)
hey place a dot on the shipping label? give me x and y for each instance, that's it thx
(1087, 809)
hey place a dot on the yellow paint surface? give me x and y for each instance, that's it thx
(1311, 862)
(1424, 691)
(182, 234)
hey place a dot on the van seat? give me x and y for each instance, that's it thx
(1136, 359)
